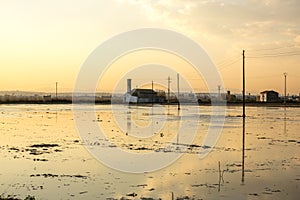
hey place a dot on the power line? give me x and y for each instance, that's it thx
(229, 64)
(275, 54)
(228, 60)
(272, 56)
(271, 49)
(288, 52)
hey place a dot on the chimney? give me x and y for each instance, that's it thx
(128, 85)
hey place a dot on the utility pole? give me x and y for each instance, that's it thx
(244, 115)
(152, 84)
(152, 92)
(284, 74)
(178, 91)
(169, 81)
(219, 92)
(56, 90)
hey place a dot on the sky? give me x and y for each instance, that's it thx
(44, 42)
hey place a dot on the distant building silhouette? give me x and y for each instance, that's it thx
(47, 98)
(269, 96)
(230, 97)
(141, 95)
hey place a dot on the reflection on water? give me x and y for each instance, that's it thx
(128, 122)
(41, 154)
(284, 122)
(243, 152)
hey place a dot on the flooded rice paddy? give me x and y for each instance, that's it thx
(43, 155)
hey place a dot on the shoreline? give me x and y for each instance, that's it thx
(237, 104)
(260, 104)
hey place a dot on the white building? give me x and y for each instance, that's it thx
(141, 95)
(269, 96)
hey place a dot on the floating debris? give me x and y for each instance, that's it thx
(37, 159)
(206, 185)
(44, 145)
(131, 194)
(253, 194)
(56, 175)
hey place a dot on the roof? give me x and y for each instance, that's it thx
(149, 91)
(268, 91)
(143, 92)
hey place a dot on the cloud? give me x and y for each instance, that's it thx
(224, 28)
(297, 39)
(231, 22)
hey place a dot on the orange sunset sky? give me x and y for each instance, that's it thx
(43, 42)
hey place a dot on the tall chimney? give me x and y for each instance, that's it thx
(128, 85)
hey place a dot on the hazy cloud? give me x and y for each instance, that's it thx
(262, 21)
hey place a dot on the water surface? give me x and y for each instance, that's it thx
(42, 154)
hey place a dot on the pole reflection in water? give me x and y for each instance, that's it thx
(243, 153)
(178, 120)
(152, 120)
(284, 121)
(56, 114)
(128, 121)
